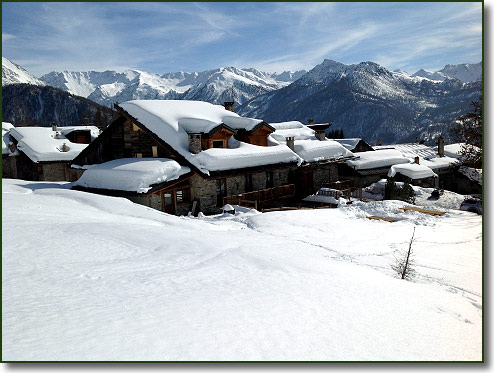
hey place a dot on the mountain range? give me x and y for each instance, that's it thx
(218, 85)
(365, 100)
(368, 101)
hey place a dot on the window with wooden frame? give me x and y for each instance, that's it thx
(269, 179)
(248, 183)
(138, 155)
(219, 144)
(183, 195)
(155, 151)
(220, 191)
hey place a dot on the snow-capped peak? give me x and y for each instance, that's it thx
(466, 72)
(13, 74)
(210, 85)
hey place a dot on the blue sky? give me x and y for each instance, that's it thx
(169, 37)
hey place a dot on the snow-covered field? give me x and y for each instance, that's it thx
(89, 277)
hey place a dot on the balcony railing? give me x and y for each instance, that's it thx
(256, 198)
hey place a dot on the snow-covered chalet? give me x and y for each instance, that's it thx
(43, 153)
(181, 156)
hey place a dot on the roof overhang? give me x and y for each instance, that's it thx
(126, 193)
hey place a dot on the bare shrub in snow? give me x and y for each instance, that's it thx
(404, 266)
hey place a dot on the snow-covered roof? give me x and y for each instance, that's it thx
(427, 155)
(348, 143)
(377, 159)
(455, 150)
(6, 127)
(306, 145)
(166, 119)
(474, 174)
(435, 163)
(412, 170)
(41, 144)
(291, 129)
(411, 150)
(241, 123)
(131, 174)
(314, 150)
(197, 125)
(243, 155)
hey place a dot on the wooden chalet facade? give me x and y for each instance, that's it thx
(196, 191)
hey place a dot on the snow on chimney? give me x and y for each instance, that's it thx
(290, 142)
(194, 143)
(440, 146)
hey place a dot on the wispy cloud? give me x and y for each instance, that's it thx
(161, 37)
(6, 36)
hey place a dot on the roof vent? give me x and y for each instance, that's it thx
(290, 142)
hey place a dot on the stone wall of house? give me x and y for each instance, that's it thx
(324, 174)
(9, 167)
(55, 172)
(151, 200)
(204, 190)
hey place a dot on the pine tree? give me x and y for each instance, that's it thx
(468, 130)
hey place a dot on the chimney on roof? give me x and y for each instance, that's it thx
(310, 121)
(53, 126)
(440, 146)
(290, 142)
(321, 135)
(195, 143)
(417, 160)
(229, 105)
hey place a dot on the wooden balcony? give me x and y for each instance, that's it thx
(257, 198)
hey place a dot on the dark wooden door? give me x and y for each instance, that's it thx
(168, 202)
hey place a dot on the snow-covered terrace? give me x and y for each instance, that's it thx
(306, 145)
(172, 120)
(41, 144)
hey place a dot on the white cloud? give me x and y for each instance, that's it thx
(6, 36)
